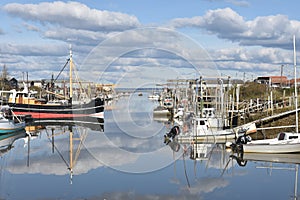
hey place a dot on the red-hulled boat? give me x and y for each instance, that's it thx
(26, 103)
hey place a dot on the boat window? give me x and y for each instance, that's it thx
(202, 122)
(293, 137)
(281, 136)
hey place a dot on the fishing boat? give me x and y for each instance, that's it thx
(285, 142)
(154, 97)
(9, 122)
(203, 132)
(26, 102)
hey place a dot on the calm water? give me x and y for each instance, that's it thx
(128, 160)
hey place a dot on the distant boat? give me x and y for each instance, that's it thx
(9, 122)
(154, 97)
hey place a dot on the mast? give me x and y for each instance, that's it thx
(71, 154)
(71, 66)
(295, 74)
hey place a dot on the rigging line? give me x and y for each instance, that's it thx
(78, 79)
(62, 69)
(82, 139)
(184, 165)
(230, 158)
(67, 164)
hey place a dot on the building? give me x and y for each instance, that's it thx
(13, 83)
(273, 81)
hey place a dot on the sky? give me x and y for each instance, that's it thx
(138, 43)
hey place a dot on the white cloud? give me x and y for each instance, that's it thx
(266, 61)
(78, 36)
(266, 31)
(72, 15)
(1, 31)
(128, 53)
(31, 27)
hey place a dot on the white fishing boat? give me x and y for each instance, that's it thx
(9, 122)
(154, 97)
(284, 143)
(202, 132)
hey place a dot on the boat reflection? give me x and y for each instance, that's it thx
(7, 140)
(96, 124)
(269, 160)
(203, 164)
(54, 148)
(242, 159)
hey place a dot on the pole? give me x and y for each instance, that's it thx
(295, 74)
(296, 182)
(281, 71)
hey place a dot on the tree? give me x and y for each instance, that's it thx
(4, 75)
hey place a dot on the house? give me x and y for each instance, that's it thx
(13, 83)
(273, 81)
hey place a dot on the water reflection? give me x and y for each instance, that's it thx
(272, 162)
(53, 149)
(7, 140)
(114, 160)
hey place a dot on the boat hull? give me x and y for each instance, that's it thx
(10, 127)
(272, 148)
(274, 158)
(94, 108)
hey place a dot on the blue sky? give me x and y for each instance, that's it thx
(141, 42)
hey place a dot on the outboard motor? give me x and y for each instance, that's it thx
(244, 139)
(172, 134)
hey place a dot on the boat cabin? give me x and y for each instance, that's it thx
(287, 136)
(23, 97)
(200, 126)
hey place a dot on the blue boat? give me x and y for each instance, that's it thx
(9, 122)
